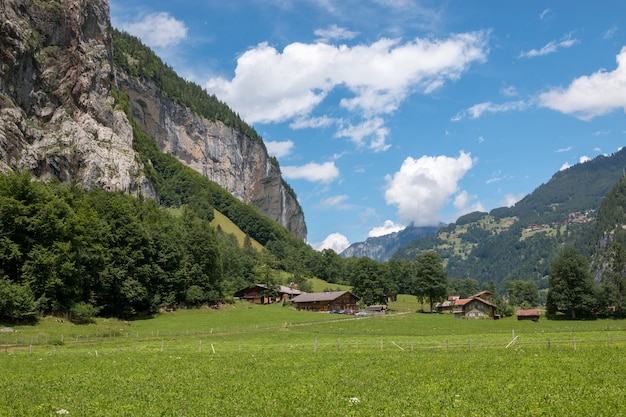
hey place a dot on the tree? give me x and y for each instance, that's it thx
(521, 292)
(571, 289)
(431, 281)
(463, 287)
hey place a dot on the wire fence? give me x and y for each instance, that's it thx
(205, 344)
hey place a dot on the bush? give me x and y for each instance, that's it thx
(82, 313)
(17, 303)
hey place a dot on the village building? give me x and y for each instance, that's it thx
(262, 294)
(532, 315)
(473, 307)
(343, 301)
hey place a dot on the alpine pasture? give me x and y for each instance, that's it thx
(271, 360)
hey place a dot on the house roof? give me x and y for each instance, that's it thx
(482, 293)
(527, 313)
(319, 296)
(282, 289)
(463, 301)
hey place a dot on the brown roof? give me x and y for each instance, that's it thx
(526, 313)
(463, 301)
(319, 296)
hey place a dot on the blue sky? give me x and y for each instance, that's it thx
(384, 113)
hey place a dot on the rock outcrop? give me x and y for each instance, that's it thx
(58, 117)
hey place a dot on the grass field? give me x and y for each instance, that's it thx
(274, 361)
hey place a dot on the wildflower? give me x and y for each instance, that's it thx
(63, 411)
(354, 400)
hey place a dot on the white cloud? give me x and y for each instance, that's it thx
(544, 13)
(275, 86)
(387, 228)
(566, 149)
(584, 159)
(510, 200)
(313, 122)
(477, 110)
(589, 96)
(314, 172)
(610, 32)
(334, 32)
(565, 166)
(509, 91)
(335, 202)
(466, 203)
(373, 129)
(158, 30)
(423, 186)
(279, 149)
(334, 241)
(551, 47)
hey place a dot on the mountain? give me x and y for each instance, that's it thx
(382, 248)
(520, 242)
(63, 72)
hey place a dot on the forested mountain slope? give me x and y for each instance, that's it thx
(520, 242)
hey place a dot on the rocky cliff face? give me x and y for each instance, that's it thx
(57, 116)
(236, 162)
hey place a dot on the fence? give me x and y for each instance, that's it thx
(206, 344)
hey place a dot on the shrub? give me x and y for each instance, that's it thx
(82, 313)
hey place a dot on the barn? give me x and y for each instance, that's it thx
(532, 315)
(326, 301)
(262, 294)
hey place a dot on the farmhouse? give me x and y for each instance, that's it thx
(262, 294)
(532, 315)
(474, 307)
(326, 301)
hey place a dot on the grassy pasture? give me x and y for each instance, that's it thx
(275, 361)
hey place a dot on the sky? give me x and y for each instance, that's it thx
(386, 113)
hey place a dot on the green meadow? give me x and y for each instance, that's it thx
(272, 360)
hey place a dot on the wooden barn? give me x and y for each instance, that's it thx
(326, 301)
(262, 294)
(532, 315)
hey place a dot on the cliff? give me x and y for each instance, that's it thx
(58, 117)
(238, 163)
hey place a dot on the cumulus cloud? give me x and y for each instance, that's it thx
(466, 203)
(591, 95)
(423, 186)
(334, 241)
(387, 228)
(314, 172)
(275, 86)
(510, 200)
(477, 110)
(551, 47)
(157, 30)
(279, 149)
(372, 133)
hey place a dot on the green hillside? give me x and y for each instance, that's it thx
(521, 242)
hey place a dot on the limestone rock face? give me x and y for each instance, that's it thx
(57, 117)
(236, 162)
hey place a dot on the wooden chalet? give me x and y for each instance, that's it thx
(532, 315)
(326, 301)
(262, 294)
(474, 307)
